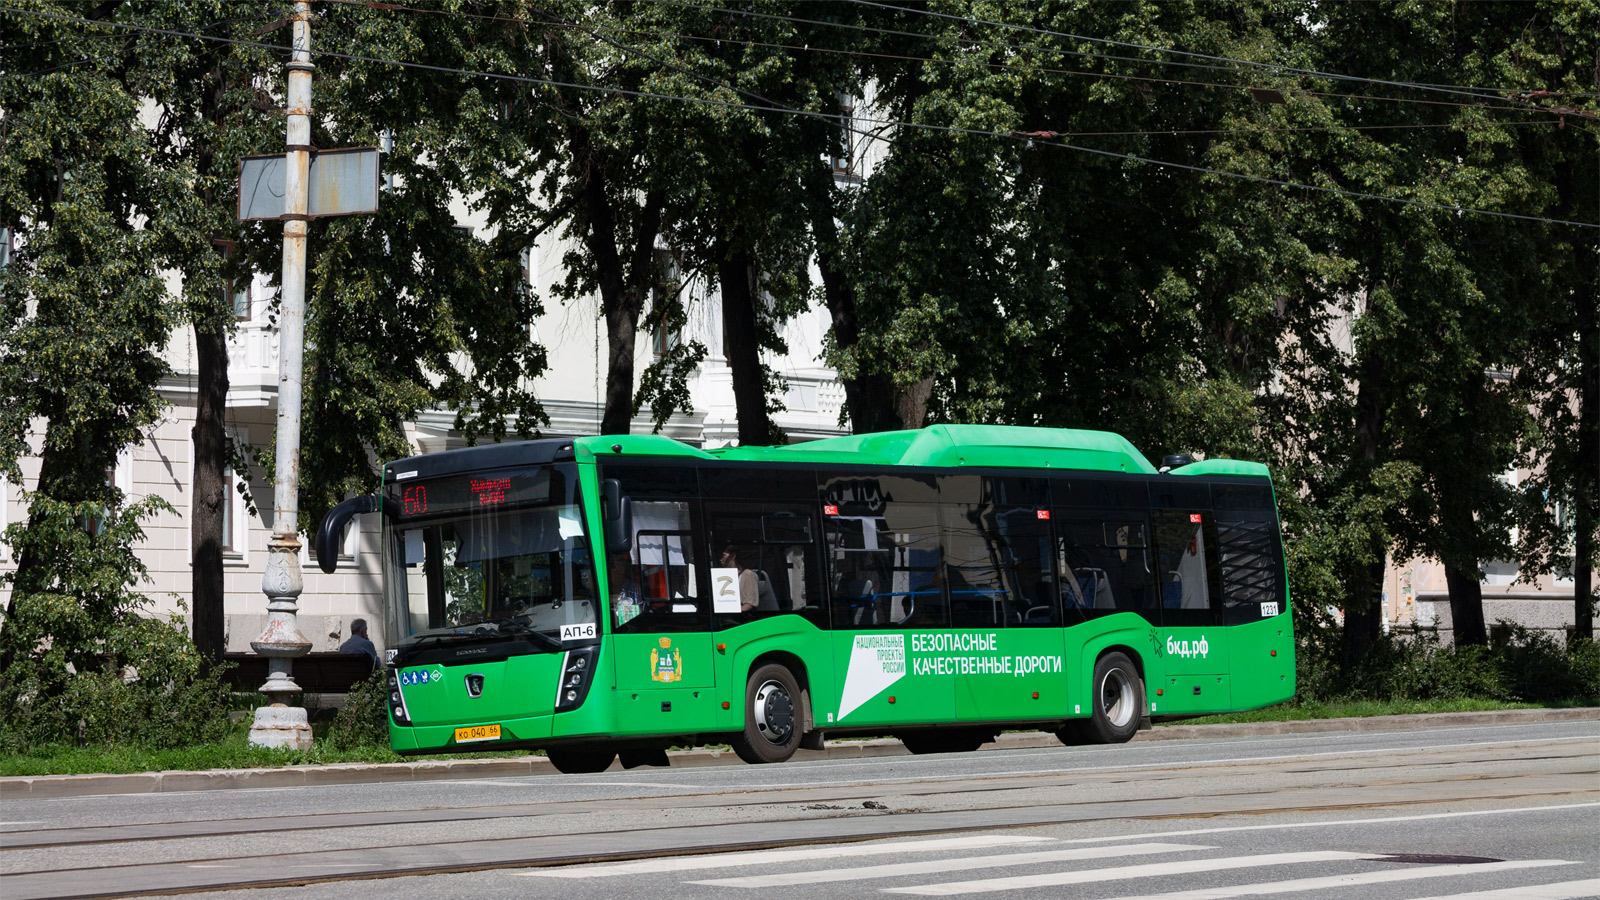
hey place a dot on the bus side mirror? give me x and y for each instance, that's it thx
(616, 511)
(331, 532)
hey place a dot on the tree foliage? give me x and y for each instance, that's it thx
(1048, 230)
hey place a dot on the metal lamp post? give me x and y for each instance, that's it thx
(294, 188)
(279, 724)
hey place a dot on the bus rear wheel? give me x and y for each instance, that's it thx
(580, 760)
(771, 717)
(1117, 699)
(954, 740)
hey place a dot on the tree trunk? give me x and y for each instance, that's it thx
(869, 398)
(1466, 603)
(1364, 585)
(742, 345)
(210, 492)
(911, 402)
(1461, 572)
(210, 504)
(623, 286)
(1586, 505)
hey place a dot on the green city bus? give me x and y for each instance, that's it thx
(622, 594)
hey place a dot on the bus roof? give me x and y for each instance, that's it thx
(940, 446)
(937, 446)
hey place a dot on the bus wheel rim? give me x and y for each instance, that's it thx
(1117, 697)
(774, 712)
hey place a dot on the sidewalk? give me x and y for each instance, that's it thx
(47, 787)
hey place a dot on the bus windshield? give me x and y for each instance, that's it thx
(502, 552)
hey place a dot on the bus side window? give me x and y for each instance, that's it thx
(763, 561)
(657, 587)
(997, 565)
(884, 566)
(1186, 566)
(1250, 554)
(1103, 563)
(1251, 571)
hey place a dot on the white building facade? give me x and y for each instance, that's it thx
(571, 389)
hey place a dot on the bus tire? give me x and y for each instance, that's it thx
(580, 760)
(1117, 700)
(771, 717)
(1072, 734)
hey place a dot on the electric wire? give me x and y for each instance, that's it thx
(867, 54)
(834, 117)
(1271, 67)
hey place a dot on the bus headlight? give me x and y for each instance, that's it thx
(576, 667)
(397, 703)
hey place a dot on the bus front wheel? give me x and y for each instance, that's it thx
(1117, 698)
(771, 716)
(580, 760)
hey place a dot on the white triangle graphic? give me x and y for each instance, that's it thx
(876, 661)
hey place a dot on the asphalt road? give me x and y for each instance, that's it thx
(1489, 812)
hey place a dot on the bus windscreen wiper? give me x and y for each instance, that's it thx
(512, 626)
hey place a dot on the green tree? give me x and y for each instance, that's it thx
(84, 317)
(405, 312)
(1454, 299)
(213, 103)
(84, 313)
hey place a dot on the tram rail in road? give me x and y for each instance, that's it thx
(818, 806)
(57, 786)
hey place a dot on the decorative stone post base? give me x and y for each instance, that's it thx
(281, 726)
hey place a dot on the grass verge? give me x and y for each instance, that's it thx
(236, 752)
(233, 753)
(1355, 709)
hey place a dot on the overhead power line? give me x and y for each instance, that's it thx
(867, 54)
(1270, 67)
(1232, 65)
(833, 117)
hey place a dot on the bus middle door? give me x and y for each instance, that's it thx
(1193, 644)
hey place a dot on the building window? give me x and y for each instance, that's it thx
(230, 499)
(119, 475)
(235, 538)
(664, 337)
(5, 513)
(235, 529)
(846, 163)
(234, 294)
(122, 475)
(5, 247)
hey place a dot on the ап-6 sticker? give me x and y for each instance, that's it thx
(577, 632)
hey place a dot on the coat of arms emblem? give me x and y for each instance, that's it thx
(666, 666)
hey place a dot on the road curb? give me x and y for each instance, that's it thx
(51, 787)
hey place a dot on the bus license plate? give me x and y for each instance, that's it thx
(477, 733)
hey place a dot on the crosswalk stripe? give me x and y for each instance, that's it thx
(1332, 881)
(1561, 890)
(892, 870)
(1085, 876)
(768, 857)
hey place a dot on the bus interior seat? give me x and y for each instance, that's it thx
(1172, 594)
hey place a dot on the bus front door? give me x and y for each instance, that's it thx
(665, 682)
